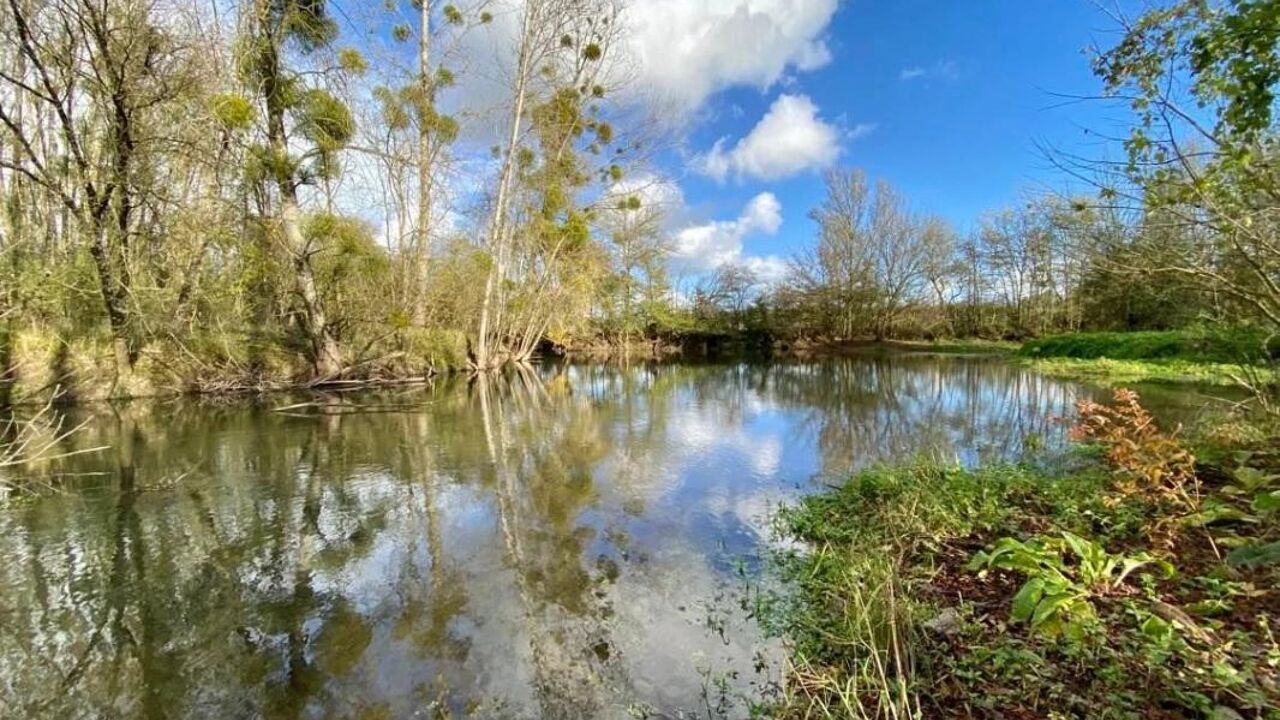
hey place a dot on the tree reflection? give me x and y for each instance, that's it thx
(547, 443)
(503, 546)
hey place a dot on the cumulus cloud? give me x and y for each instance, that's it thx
(676, 54)
(712, 245)
(701, 246)
(769, 269)
(653, 191)
(689, 49)
(788, 140)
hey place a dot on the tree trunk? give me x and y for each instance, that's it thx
(326, 353)
(115, 302)
(484, 352)
(422, 244)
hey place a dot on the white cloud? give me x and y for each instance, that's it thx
(700, 247)
(689, 49)
(706, 247)
(677, 53)
(941, 70)
(769, 269)
(788, 140)
(861, 130)
(763, 213)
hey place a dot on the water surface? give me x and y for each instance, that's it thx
(569, 542)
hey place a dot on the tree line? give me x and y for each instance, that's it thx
(1181, 229)
(232, 191)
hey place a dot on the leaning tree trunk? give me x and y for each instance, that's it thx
(326, 353)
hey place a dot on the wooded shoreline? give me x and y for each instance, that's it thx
(42, 369)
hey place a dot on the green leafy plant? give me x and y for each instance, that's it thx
(1065, 575)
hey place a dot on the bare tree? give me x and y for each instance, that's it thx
(100, 72)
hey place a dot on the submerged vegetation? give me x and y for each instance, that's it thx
(1127, 579)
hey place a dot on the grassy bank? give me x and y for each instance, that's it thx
(1037, 590)
(1130, 372)
(1232, 356)
(1225, 346)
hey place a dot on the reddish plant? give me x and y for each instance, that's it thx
(1149, 462)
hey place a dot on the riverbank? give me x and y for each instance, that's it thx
(1115, 373)
(1071, 586)
(1241, 357)
(956, 346)
(41, 366)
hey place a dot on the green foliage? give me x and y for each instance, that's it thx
(444, 127)
(1220, 58)
(346, 243)
(233, 111)
(1090, 632)
(1255, 555)
(1230, 345)
(437, 348)
(351, 61)
(306, 22)
(1065, 576)
(392, 108)
(325, 120)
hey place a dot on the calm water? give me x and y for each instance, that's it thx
(568, 543)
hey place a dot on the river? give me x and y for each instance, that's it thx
(568, 542)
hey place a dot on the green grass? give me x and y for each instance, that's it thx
(1215, 346)
(882, 560)
(1124, 372)
(1224, 356)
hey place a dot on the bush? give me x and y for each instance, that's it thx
(435, 349)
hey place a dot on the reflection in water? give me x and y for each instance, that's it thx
(556, 544)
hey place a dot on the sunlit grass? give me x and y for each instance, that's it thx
(1123, 372)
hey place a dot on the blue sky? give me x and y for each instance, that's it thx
(947, 101)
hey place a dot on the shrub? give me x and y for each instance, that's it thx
(1149, 462)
